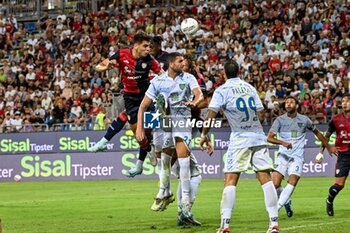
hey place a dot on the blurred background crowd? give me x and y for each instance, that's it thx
(287, 47)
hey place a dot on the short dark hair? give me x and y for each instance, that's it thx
(231, 69)
(172, 56)
(157, 40)
(140, 37)
(293, 98)
(346, 95)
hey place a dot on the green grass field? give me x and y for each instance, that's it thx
(124, 206)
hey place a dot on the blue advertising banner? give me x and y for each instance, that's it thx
(64, 156)
(79, 141)
(114, 165)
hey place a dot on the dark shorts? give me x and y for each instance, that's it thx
(342, 167)
(132, 104)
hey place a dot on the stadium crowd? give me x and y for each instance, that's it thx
(298, 48)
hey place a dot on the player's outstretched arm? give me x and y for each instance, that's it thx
(140, 131)
(331, 149)
(104, 65)
(198, 97)
(271, 137)
(319, 156)
(204, 137)
(203, 104)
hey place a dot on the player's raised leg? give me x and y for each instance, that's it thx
(116, 126)
(145, 147)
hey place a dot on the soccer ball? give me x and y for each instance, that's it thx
(17, 178)
(189, 26)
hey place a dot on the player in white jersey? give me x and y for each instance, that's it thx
(248, 145)
(291, 127)
(180, 88)
(164, 196)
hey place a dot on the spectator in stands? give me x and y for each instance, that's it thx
(320, 112)
(35, 119)
(101, 120)
(6, 123)
(16, 123)
(269, 93)
(58, 114)
(289, 33)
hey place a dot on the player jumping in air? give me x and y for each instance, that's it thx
(134, 64)
(179, 87)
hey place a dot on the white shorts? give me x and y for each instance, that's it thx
(161, 140)
(170, 135)
(185, 136)
(240, 159)
(288, 166)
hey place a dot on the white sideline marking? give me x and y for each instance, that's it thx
(304, 226)
(314, 225)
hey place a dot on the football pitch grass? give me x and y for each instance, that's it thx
(124, 206)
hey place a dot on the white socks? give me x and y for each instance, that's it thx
(194, 182)
(185, 176)
(164, 176)
(228, 201)
(285, 195)
(103, 140)
(179, 197)
(271, 200)
(159, 165)
(279, 190)
(139, 164)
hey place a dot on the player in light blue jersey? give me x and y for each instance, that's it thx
(180, 87)
(291, 127)
(248, 145)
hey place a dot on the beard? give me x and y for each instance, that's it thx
(178, 71)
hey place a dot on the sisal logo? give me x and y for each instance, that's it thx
(11, 146)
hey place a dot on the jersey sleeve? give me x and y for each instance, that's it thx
(331, 127)
(115, 56)
(217, 101)
(258, 104)
(201, 84)
(309, 124)
(152, 91)
(193, 82)
(155, 66)
(276, 126)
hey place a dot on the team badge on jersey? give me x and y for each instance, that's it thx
(144, 65)
(182, 86)
(300, 124)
